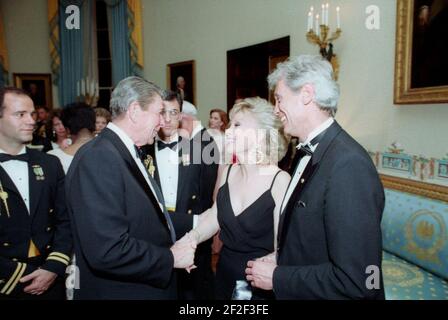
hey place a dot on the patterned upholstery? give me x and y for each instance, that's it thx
(415, 240)
(406, 281)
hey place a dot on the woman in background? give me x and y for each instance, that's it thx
(217, 125)
(57, 132)
(218, 120)
(79, 121)
(103, 117)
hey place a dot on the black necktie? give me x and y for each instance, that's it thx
(7, 157)
(162, 145)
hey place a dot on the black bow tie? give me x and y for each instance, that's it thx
(305, 149)
(7, 157)
(162, 145)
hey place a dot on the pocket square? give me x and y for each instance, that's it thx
(301, 204)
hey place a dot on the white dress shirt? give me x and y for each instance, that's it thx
(18, 172)
(304, 161)
(131, 147)
(168, 168)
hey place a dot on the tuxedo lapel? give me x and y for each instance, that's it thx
(326, 141)
(10, 188)
(295, 196)
(7, 184)
(135, 171)
(152, 153)
(307, 175)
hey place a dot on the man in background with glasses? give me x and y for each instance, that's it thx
(187, 186)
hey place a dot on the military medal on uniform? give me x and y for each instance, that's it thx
(39, 173)
(4, 198)
(149, 165)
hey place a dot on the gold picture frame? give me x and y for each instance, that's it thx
(187, 70)
(38, 85)
(410, 60)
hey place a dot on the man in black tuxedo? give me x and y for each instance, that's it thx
(329, 235)
(35, 237)
(123, 234)
(187, 188)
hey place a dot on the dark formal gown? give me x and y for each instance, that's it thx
(245, 237)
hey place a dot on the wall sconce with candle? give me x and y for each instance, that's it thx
(318, 31)
(87, 91)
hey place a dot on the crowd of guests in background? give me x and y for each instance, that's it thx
(51, 132)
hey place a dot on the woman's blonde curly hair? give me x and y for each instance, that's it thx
(263, 112)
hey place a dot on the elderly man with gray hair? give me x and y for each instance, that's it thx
(329, 237)
(123, 235)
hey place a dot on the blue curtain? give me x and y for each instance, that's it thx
(71, 57)
(120, 51)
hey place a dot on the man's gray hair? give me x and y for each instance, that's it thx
(132, 89)
(309, 69)
(189, 109)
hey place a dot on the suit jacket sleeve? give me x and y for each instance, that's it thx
(97, 200)
(10, 274)
(60, 256)
(182, 223)
(354, 201)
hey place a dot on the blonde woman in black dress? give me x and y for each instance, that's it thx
(250, 193)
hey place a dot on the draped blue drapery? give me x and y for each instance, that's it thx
(117, 14)
(71, 57)
(77, 74)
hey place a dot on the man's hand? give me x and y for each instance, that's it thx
(183, 251)
(40, 279)
(272, 258)
(260, 273)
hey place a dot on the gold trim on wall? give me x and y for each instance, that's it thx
(423, 189)
(403, 93)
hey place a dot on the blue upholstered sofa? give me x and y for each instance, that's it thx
(415, 242)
